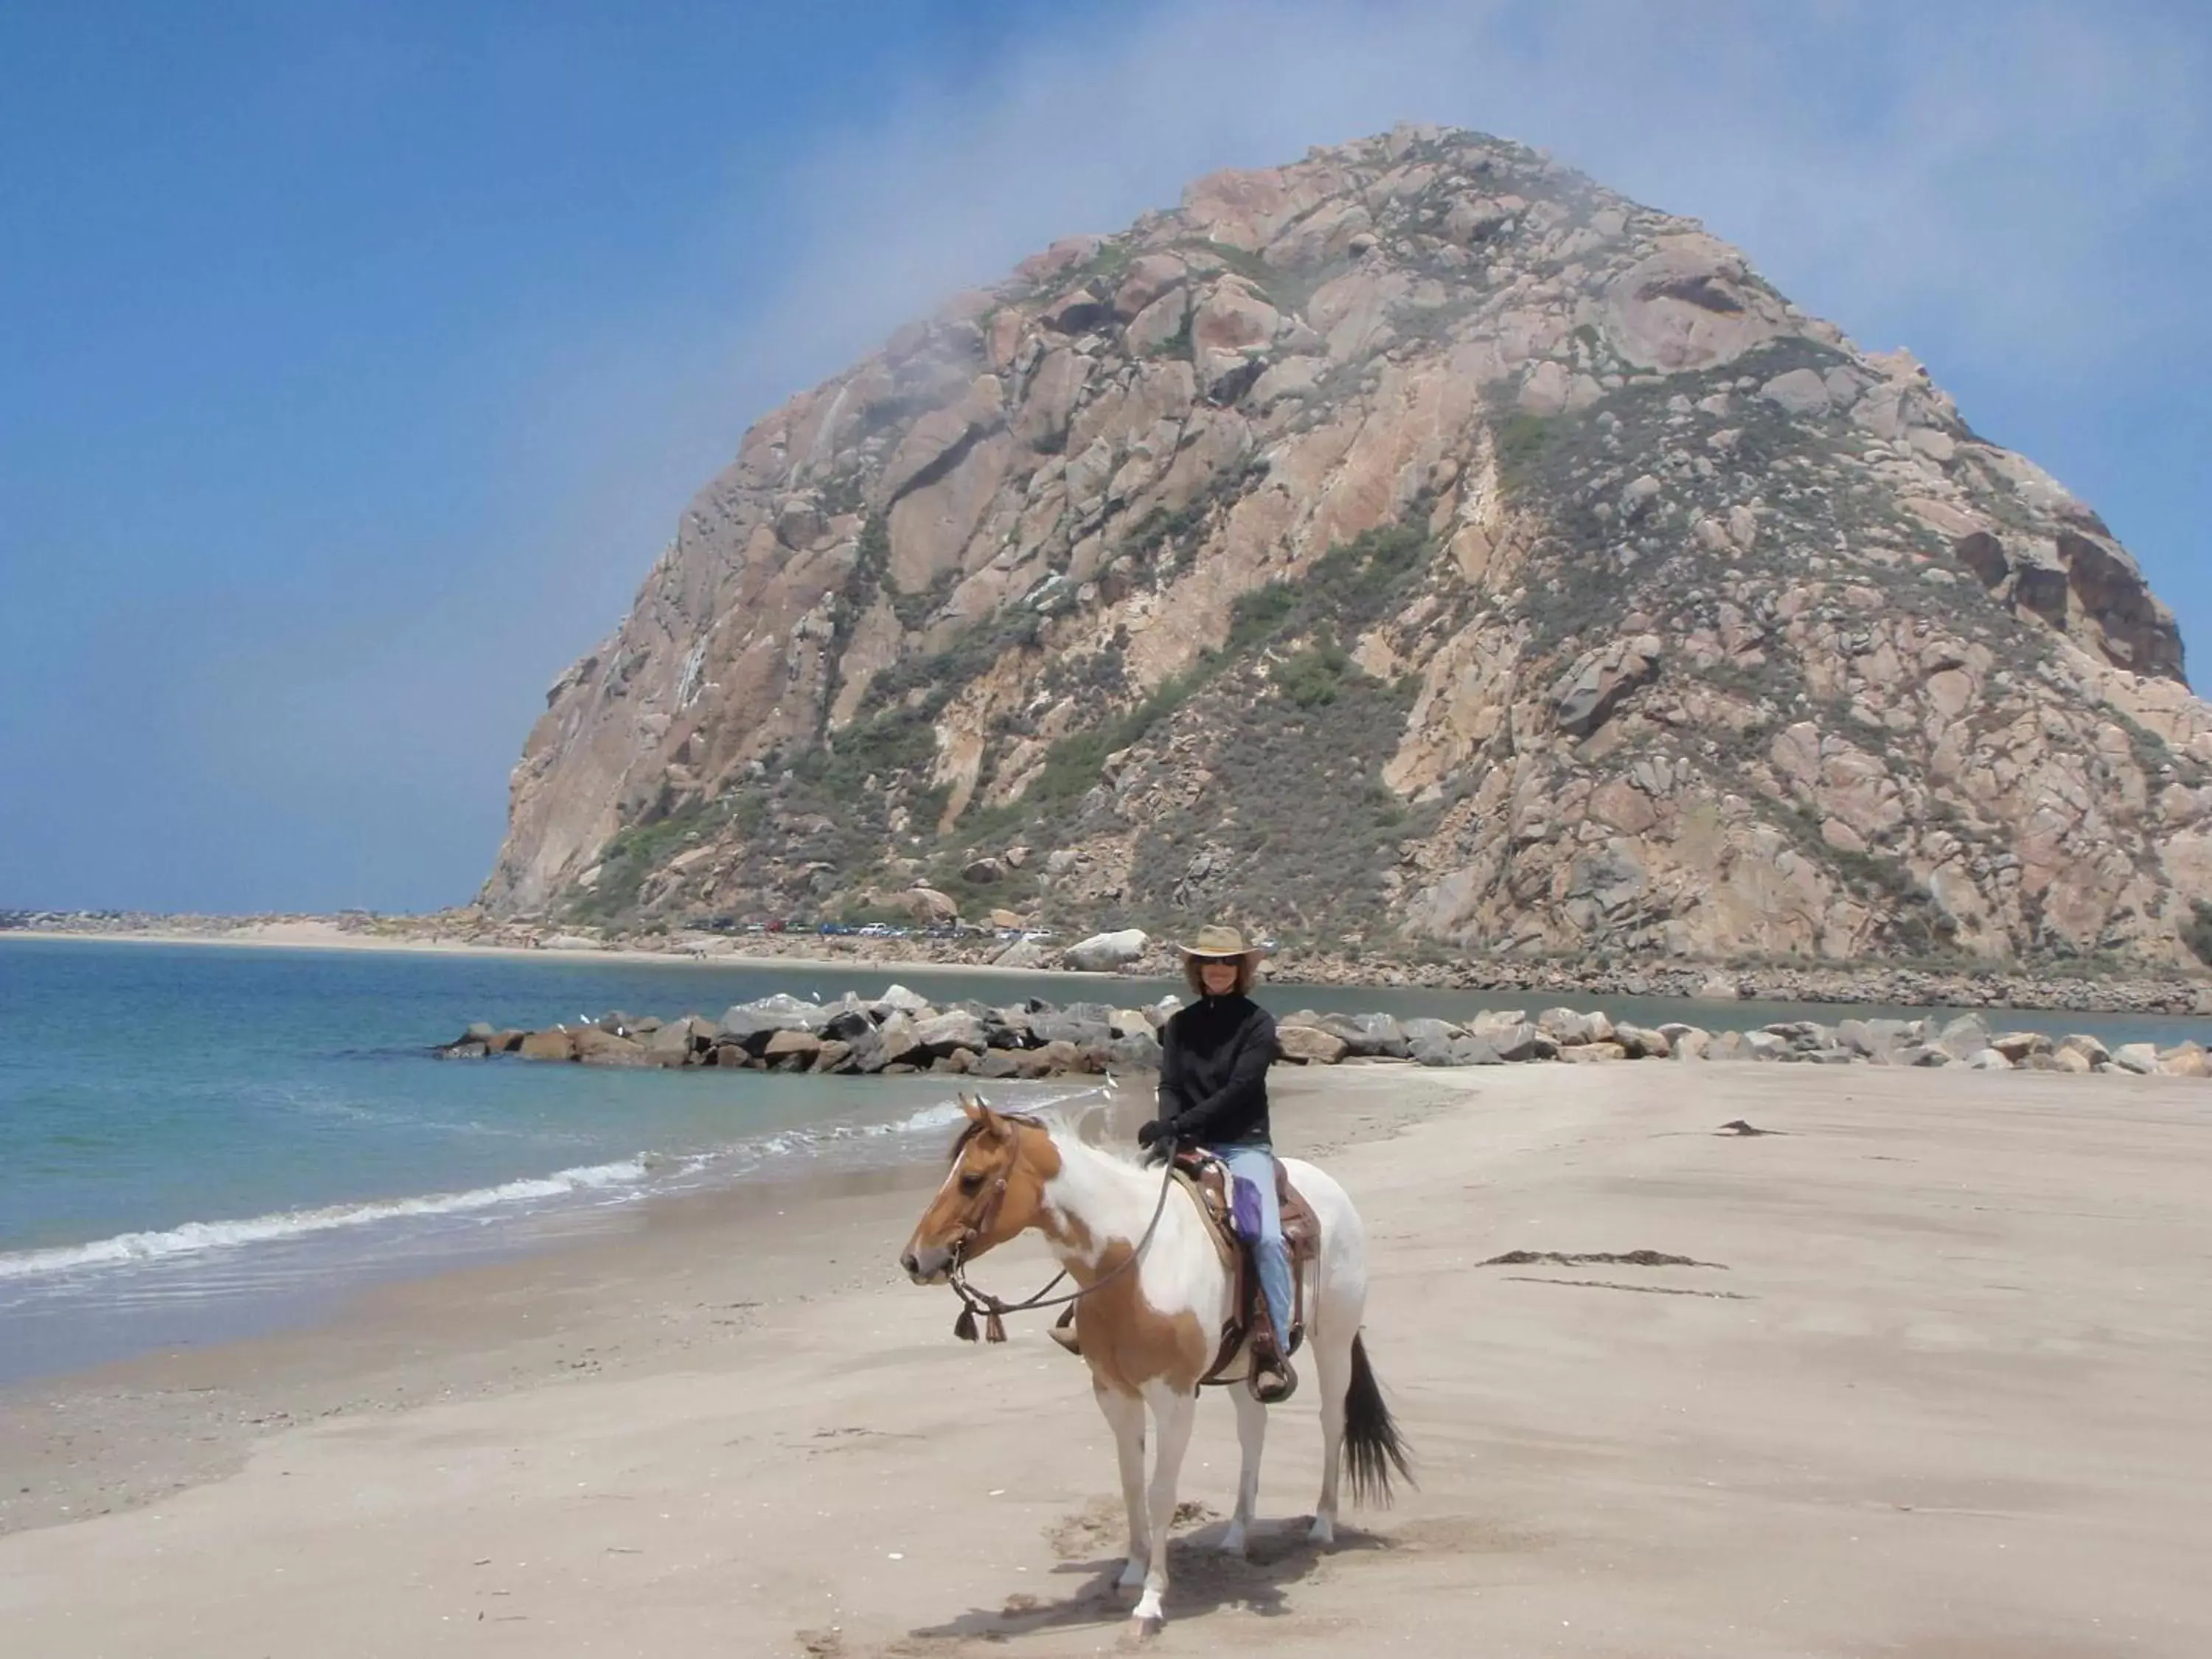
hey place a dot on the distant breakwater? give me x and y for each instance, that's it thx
(901, 1033)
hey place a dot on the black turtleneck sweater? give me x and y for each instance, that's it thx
(1214, 1057)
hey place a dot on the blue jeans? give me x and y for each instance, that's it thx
(1254, 1161)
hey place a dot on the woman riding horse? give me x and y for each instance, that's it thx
(1214, 1056)
(1152, 1290)
(1152, 1287)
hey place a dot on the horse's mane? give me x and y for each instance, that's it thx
(1061, 1119)
(973, 1127)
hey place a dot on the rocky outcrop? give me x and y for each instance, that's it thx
(899, 1034)
(1416, 547)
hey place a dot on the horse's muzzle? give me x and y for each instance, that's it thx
(927, 1264)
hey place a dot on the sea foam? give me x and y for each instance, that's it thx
(193, 1237)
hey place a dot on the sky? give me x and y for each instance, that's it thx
(356, 360)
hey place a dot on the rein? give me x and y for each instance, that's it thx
(973, 1301)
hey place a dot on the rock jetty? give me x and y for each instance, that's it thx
(897, 1033)
(900, 1033)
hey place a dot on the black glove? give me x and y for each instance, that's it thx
(1152, 1129)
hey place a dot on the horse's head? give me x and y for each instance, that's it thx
(995, 1189)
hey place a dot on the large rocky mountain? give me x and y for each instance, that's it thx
(1418, 545)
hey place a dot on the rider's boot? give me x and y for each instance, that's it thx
(1064, 1332)
(1271, 1379)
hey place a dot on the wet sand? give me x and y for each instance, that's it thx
(1936, 1391)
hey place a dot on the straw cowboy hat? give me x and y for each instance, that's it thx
(1222, 943)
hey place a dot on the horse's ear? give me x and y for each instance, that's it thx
(983, 1119)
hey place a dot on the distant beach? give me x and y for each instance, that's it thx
(2114, 988)
(713, 950)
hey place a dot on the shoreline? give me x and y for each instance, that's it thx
(1993, 986)
(174, 1419)
(1890, 1382)
(116, 1436)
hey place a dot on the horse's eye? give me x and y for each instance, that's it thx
(971, 1183)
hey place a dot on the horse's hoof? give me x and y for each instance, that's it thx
(1232, 1543)
(1323, 1531)
(1132, 1577)
(1146, 1619)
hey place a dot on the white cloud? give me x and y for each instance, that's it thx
(1995, 173)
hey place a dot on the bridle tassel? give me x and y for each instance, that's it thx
(994, 1326)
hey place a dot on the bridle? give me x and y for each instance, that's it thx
(973, 1301)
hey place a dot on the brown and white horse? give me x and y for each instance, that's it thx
(1149, 1330)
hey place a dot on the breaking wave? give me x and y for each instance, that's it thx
(196, 1235)
(625, 1180)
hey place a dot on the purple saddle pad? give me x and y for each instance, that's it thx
(1244, 1208)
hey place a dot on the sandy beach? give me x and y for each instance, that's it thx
(1936, 1392)
(315, 933)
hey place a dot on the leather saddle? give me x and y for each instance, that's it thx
(1208, 1179)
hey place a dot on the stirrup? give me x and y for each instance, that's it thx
(1269, 1376)
(1270, 1385)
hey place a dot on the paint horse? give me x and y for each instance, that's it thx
(1152, 1293)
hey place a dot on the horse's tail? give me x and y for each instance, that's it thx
(1372, 1444)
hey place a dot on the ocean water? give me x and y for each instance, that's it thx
(198, 1142)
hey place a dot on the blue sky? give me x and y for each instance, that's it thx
(356, 360)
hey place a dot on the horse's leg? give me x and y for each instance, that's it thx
(1124, 1415)
(1339, 1306)
(1333, 1371)
(1251, 1439)
(1172, 1416)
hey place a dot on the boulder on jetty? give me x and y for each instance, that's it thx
(1101, 953)
(1310, 1045)
(547, 1045)
(901, 1032)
